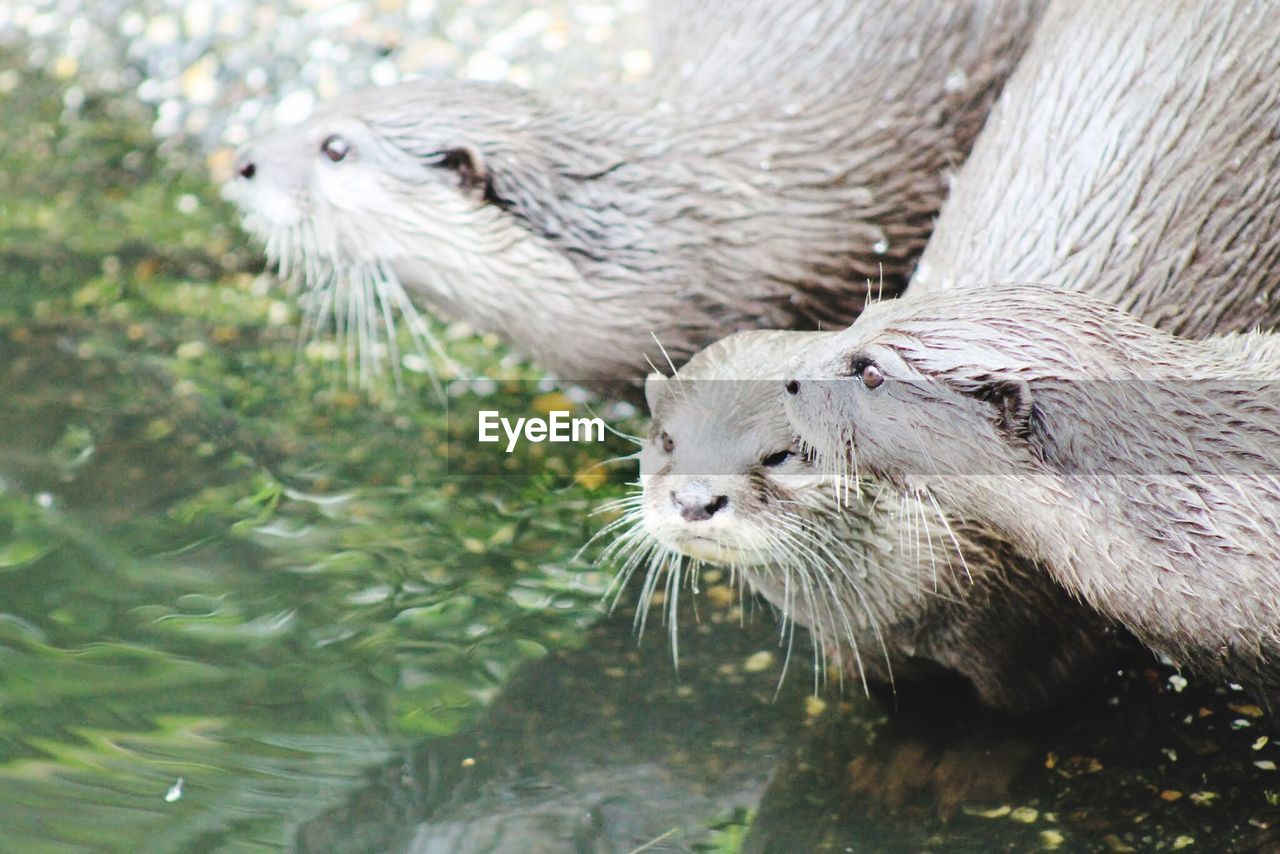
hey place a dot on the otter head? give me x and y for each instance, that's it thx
(887, 584)
(720, 470)
(910, 391)
(389, 174)
(723, 482)
(429, 188)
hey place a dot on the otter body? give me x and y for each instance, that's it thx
(1134, 154)
(785, 159)
(891, 590)
(1142, 470)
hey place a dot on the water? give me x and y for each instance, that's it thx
(244, 606)
(216, 567)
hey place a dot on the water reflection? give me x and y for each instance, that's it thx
(606, 749)
(185, 598)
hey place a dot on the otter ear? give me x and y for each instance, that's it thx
(1013, 404)
(653, 388)
(468, 164)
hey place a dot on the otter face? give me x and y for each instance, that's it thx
(723, 482)
(884, 581)
(366, 182)
(883, 399)
(397, 192)
(326, 191)
(719, 480)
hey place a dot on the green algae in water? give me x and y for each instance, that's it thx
(218, 563)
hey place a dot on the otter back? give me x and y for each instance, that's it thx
(790, 164)
(1134, 154)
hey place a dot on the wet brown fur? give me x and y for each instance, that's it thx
(1142, 470)
(891, 590)
(785, 161)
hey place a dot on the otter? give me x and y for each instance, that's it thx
(1135, 155)
(1142, 470)
(1091, 174)
(1135, 158)
(890, 589)
(785, 160)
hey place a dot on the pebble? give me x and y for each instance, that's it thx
(217, 74)
(1025, 815)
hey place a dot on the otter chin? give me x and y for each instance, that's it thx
(1140, 470)
(890, 589)
(581, 225)
(709, 549)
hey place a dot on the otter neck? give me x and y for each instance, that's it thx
(720, 225)
(1093, 547)
(1065, 547)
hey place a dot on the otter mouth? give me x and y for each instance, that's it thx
(712, 550)
(360, 304)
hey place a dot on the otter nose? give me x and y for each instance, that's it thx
(793, 386)
(698, 507)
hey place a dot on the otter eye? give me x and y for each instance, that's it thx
(335, 147)
(777, 458)
(668, 444)
(867, 371)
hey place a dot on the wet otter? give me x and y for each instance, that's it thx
(1133, 155)
(1142, 470)
(890, 589)
(766, 180)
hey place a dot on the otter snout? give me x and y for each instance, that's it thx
(698, 505)
(246, 164)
